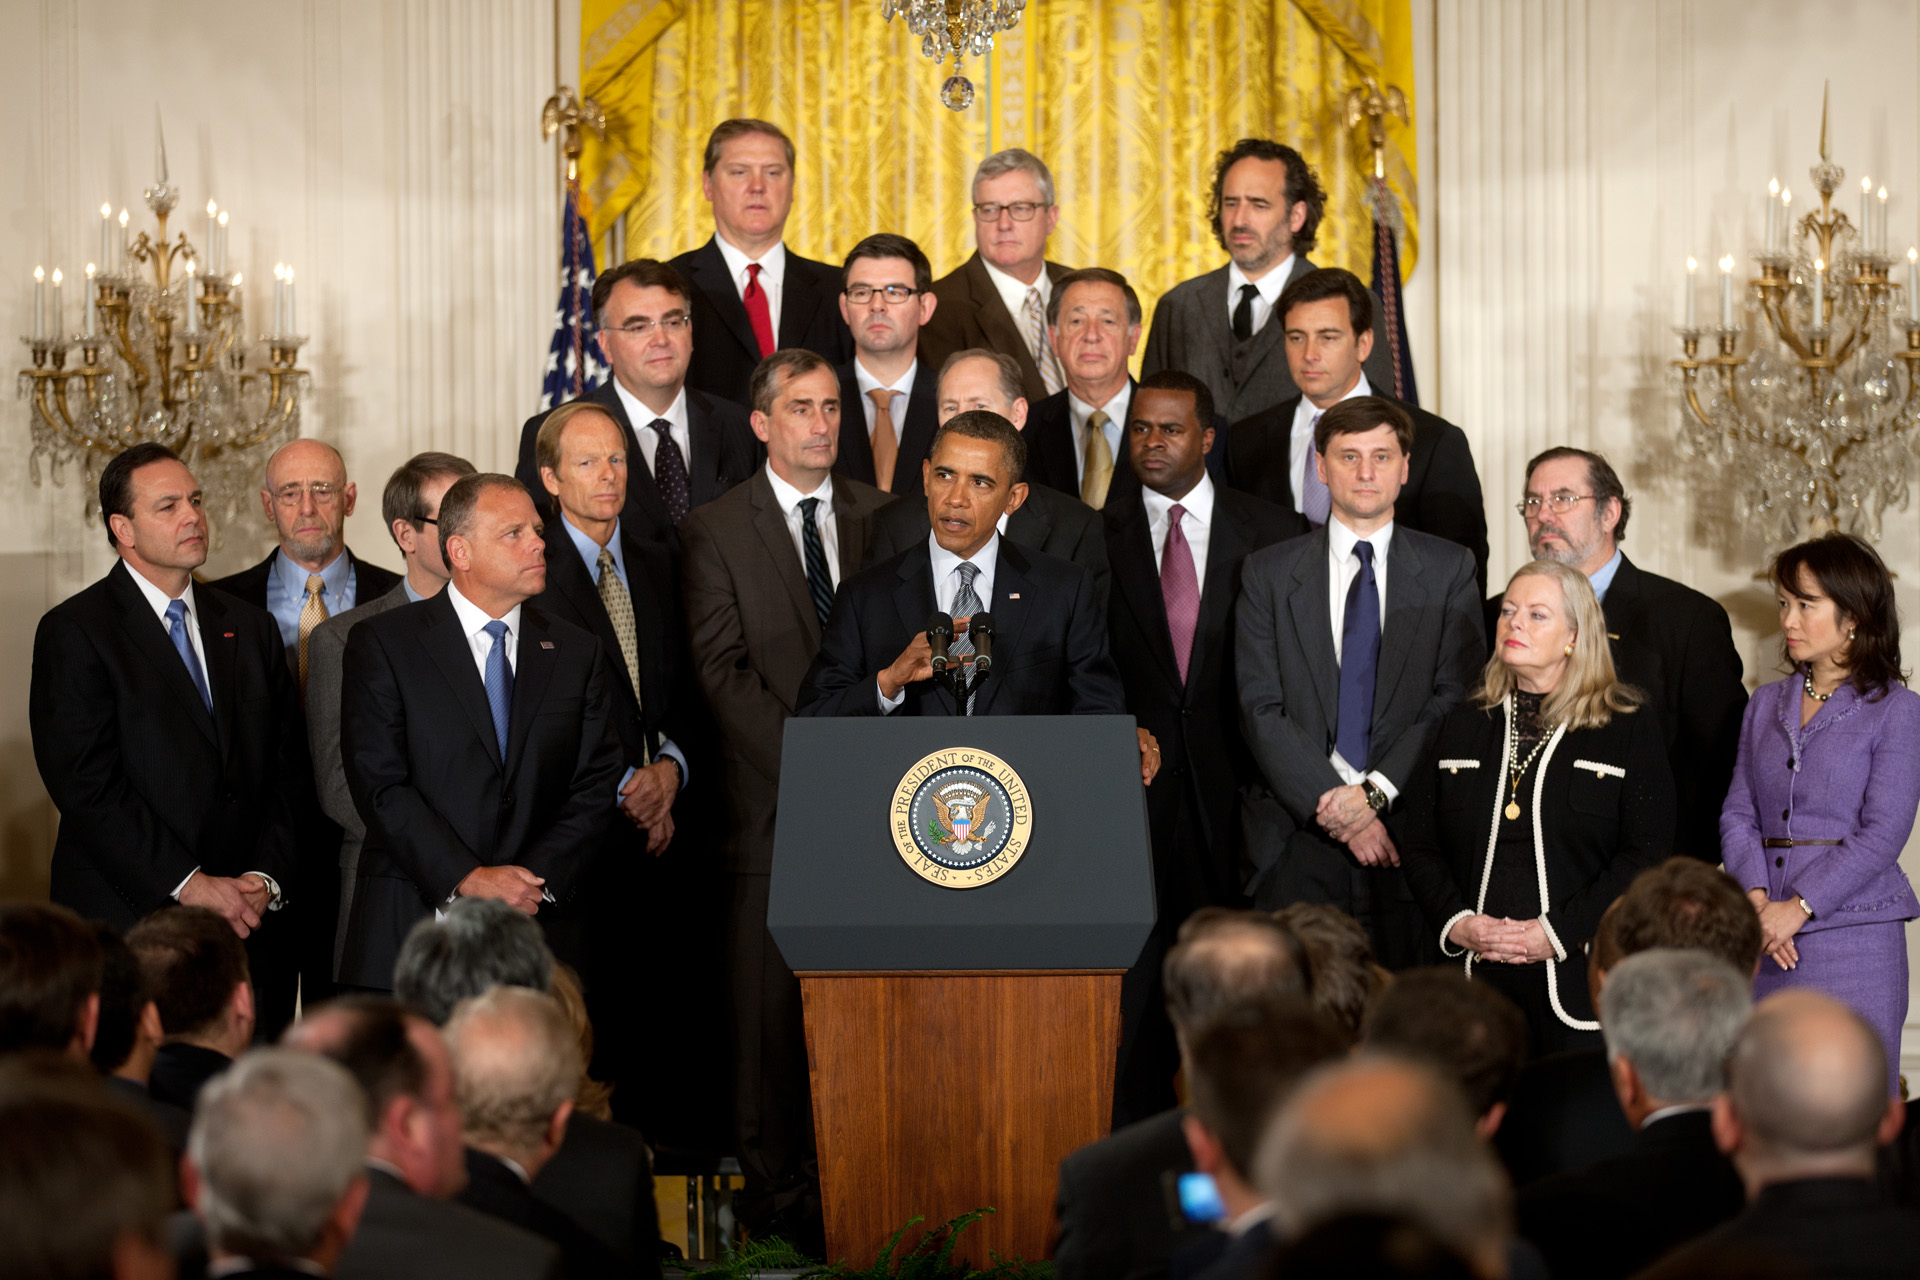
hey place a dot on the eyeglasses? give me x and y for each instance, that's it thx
(1020, 211)
(1558, 503)
(861, 294)
(323, 494)
(428, 520)
(639, 328)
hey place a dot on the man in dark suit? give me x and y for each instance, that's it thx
(478, 741)
(1670, 640)
(1076, 437)
(1807, 1105)
(751, 294)
(997, 299)
(1265, 212)
(1176, 554)
(1049, 520)
(197, 971)
(887, 393)
(695, 445)
(167, 730)
(1325, 319)
(1335, 663)
(1670, 1018)
(762, 566)
(409, 505)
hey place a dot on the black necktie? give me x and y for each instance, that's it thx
(670, 473)
(1359, 662)
(819, 577)
(1243, 314)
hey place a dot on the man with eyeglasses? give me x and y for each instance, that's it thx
(997, 299)
(888, 409)
(1668, 639)
(691, 447)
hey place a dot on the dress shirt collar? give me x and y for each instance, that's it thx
(1115, 409)
(869, 384)
(1013, 293)
(986, 560)
(640, 416)
(789, 497)
(293, 579)
(1250, 1219)
(159, 600)
(1269, 285)
(474, 619)
(519, 1170)
(590, 550)
(1306, 411)
(1198, 504)
(1341, 540)
(773, 263)
(413, 597)
(1603, 577)
(1667, 1113)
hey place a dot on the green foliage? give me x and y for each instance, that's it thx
(937, 834)
(930, 1258)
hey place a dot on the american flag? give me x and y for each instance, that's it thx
(1386, 287)
(574, 363)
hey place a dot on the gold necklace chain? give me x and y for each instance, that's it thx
(1516, 776)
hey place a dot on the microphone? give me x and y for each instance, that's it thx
(940, 635)
(980, 629)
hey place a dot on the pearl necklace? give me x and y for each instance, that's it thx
(1807, 682)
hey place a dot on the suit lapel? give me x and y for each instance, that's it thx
(444, 643)
(1000, 327)
(217, 643)
(534, 660)
(703, 435)
(851, 530)
(771, 524)
(715, 282)
(1228, 543)
(1313, 625)
(149, 635)
(856, 447)
(568, 574)
(916, 435)
(800, 298)
(643, 496)
(1012, 594)
(1215, 319)
(913, 596)
(1405, 594)
(1139, 584)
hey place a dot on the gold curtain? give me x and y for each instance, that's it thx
(1128, 101)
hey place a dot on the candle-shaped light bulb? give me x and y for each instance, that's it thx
(1880, 224)
(92, 323)
(121, 258)
(1819, 292)
(1773, 214)
(1913, 285)
(192, 310)
(1693, 268)
(59, 316)
(279, 297)
(1726, 292)
(39, 303)
(213, 232)
(106, 237)
(293, 307)
(220, 246)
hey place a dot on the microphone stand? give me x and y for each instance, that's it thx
(959, 677)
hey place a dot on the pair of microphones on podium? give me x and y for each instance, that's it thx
(952, 671)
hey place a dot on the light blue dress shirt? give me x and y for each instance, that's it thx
(1604, 578)
(287, 592)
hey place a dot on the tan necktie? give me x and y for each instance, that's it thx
(312, 614)
(619, 606)
(1033, 326)
(1097, 473)
(886, 446)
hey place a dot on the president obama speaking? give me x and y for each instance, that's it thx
(1049, 635)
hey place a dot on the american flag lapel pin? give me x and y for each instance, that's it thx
(546, 644)
(1013, 595)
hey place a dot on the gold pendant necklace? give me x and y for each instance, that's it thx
(1513, 735)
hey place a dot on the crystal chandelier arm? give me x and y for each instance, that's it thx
(1775, 309)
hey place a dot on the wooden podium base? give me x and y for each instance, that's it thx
(939, 1093)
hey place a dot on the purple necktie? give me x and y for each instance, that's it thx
(1316, 504)
(1180, 589)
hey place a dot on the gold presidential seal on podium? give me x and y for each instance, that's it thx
(961, 818)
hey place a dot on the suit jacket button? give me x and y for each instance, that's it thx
(1785, 814)
(1186, 712)
(1779, 862)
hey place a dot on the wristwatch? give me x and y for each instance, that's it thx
(1804, 905)
(1376, 798)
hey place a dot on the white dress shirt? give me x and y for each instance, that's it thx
(1196, 523)
(649, 440)
(1269, 285)
(790, 499)
(473, 625)
(1343, 567)
(896, 407)
(1014, 294)
(1305, 414)
(946, 585)
(773, 274)
(1079, 411)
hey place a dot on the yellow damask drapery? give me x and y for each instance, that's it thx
(1128, 101)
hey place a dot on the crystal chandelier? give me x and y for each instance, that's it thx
(1812, 429)
(955, 28)
(161, 356)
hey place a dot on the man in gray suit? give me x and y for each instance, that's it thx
(411, 503)
(1354, 641)
(1049, 520)
(1266, 208)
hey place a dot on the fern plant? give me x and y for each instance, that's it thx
(930, 1258)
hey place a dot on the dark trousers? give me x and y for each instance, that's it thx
(1313, 868)
(773, 1104)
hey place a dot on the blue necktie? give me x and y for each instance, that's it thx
(499, 684)
(177, 632)
(1359, 660)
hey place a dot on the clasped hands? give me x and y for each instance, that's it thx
(1499, 940)
(241, 900)
(647, 800)
(1344, 814)
(1779, 921)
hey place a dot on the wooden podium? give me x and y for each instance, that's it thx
(960, 1042)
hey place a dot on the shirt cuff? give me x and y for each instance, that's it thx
(1348, 774)
(672, 751)
(1379, 780)
(889, 705)
(621, 786)
(175, 895)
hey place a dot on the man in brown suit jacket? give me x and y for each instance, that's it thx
(761, 566)
(998, 298)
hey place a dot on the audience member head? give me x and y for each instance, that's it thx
(1387, 1136)
(1368, 1246)
(1014, 212)
(516, 1068)
(1684, 903)
(1465, 1030)
(1240, 1066)
(400, 1062)
(1670, 1018)
(276, 1160)
(476, 944)
(129, 1030)
(154, 514)
(594, 1098)
(886, 294)
(747, 176)
(1363, 447)
(1837, 607)
(1343, 978)
(50, 974)
(1093, 322)
(307, 498)
(1807, 1093)
(411, 503)
(1266, 204)
(490, 537)
(1551, 638)
(582, 455)
(1575, 508)
(645, 321)
(980, 379)
(1223, 958)
(796, 413)
(973, 474)
(1326, 318)
(196, 970)
(86, 1183)
(1168, 434)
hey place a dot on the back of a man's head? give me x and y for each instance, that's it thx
(1466, 1030)
(1242, 1064)
(516, 1065)
(50, 967)
(1370, 1246)
(1382, 1135)
(278, 1143)
(1685, 903)
(1224, 958)
(1806, 1091)
(479, 943)
(1674, 1015)
(1343, 978)
(193, 961)
(123, 1001)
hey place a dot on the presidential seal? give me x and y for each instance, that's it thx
(961, 818)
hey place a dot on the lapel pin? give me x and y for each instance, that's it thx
(227, 634)
(546, 644)
(1013, 595)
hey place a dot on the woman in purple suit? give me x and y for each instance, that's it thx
(1825, 789)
